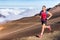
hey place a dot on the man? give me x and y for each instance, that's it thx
(44, 18)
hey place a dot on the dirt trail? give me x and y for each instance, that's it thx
(9, 34)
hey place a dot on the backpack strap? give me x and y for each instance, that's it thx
(42, 11)
(46, 12)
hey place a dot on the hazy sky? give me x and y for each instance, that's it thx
(27, 3)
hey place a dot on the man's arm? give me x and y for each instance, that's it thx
(50, 15)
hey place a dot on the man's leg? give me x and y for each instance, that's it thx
(48, 27)
(43, 27)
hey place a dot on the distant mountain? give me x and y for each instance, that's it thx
(57, 5)
(29, 12)
(15, 14)
(2, 16)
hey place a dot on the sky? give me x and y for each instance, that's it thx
(27, 3)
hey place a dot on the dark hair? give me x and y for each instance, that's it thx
(44, 6)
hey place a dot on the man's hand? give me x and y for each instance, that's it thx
(40, 16)
(47, 18)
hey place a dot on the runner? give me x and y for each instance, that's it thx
(44, 18)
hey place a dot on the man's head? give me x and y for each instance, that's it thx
(43, 7)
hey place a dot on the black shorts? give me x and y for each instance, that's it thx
(44, 22)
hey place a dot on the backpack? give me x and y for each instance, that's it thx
(43, 15)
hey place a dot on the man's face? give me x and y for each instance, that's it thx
(43, 8)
